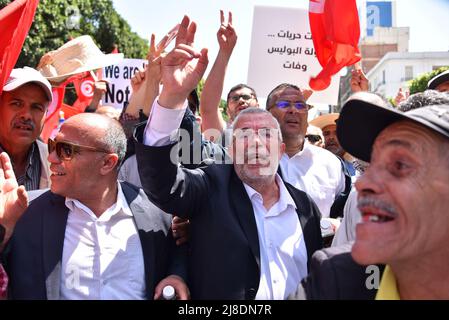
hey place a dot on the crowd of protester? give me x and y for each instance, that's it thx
(168, 193)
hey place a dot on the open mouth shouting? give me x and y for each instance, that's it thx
(376, 211)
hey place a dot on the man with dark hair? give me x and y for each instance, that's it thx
(311, 169)
(239, 98)
(90, 237)
(23, 106)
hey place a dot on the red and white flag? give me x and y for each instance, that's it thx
(335, 29)
(15, 22)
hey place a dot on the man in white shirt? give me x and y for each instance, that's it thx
(91, 237)
(251, 234)
(311, 169)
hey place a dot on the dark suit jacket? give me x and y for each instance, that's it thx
(34, 253)
(224, 261)
(335, 275)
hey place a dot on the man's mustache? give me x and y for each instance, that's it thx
(24, 123)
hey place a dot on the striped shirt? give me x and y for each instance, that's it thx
(32, 175)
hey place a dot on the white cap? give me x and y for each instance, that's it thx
(168, 293)
(21, 76)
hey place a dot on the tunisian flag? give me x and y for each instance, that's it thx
(335, 31)
(15, 22)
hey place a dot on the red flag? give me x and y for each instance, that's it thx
(335, 31)
(15, 22)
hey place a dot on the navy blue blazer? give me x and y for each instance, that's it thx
(34, 253)
(224, 260)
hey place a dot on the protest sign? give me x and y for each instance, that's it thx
(119, 78)
(282, 51)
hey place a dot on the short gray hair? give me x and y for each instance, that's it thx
(114, 138)
(253, 111)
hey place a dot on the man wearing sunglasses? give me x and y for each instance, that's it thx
(23, 106)
(308, 168)
(240, 97)
(90, 237)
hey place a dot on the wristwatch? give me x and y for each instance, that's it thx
(2, 233)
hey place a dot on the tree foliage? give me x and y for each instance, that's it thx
(58, 21)
(419, 84)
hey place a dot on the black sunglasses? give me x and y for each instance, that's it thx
(313, 138)
(245, 97)
(66, 150)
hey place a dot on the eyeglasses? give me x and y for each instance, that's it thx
(299, 105)
(66, 150)
(313, 138)
(264, 134)
(245, 97)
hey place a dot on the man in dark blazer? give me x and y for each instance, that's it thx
(228, 204)
(90, 231)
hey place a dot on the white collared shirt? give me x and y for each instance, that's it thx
(283, 253)
(164, 124)
(317, 172)
(102, 257)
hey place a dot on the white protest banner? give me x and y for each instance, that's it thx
(119, 77)
(282, 51)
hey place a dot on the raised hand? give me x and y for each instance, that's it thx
(182, 68)
(359, 82)
(13, 199)
(226, 36)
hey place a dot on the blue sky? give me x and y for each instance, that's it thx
(428, 21)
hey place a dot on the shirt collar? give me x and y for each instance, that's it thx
(284, 196)
(388, 289)
(121, 205)
(31, 158)
(305, 150)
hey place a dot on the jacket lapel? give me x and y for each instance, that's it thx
(53, 228)
(243, 208)
(144, 224)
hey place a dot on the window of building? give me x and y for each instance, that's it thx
(408, 73)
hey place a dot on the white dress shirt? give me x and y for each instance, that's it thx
(317, 172)
(283, 253)
(102, 257)
(164, 124)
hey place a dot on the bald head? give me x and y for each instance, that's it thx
(101, 131)
(109, 111)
